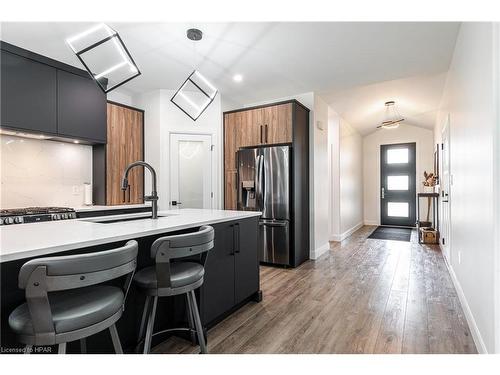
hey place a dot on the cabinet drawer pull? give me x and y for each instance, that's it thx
(237, 238)
(267, 133)
(261, 141)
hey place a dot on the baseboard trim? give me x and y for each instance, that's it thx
(476, 335)
(316, 253)
(372, 222)
(347, 233)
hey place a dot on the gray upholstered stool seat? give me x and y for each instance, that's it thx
(73, 309)
(181, 274)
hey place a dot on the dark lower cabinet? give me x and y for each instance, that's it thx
(232, 269)
(81, 110)
(29, 94)
(246, 260)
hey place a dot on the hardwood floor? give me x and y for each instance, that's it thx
(363, 296)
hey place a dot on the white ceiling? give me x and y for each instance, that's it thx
(417, 100)
(280, 59)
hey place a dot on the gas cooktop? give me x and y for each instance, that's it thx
(35, 214)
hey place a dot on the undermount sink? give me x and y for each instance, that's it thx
(117, 219)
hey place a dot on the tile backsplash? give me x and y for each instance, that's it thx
(43, 173)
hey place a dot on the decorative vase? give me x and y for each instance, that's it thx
(428, 189)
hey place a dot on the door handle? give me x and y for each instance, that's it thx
(129, 188)
(383, 193)
(273, 224)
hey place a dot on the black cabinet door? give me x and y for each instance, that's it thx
(81, 111)
(217, 292)
(28, 94)
(246, 259)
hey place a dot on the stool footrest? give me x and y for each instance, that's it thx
(181, 329)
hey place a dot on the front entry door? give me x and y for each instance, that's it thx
(398, 184)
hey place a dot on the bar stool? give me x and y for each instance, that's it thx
(67, 301)
(167, 278)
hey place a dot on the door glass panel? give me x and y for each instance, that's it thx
(191, 162)
(397, 156)
(397, 182)
(398, 209)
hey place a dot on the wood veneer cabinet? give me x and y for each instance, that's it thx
(125, 145)
(257, 126)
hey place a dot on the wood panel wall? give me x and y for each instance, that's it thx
(125, 145)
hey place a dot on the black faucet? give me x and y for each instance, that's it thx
(154, 195)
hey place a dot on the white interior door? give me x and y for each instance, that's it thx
(191, 170)
(445, 182)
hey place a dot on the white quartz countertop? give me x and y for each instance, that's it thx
(36, 239)
(106, 208)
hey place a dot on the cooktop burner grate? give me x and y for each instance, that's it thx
(34, 211)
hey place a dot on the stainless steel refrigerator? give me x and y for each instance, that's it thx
(264, 182)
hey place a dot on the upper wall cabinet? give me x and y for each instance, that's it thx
(29, 94)
(277, 120)
(81, 111)
(41, 95)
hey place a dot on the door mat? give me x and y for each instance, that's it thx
(392, 234)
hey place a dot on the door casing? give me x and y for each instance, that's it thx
(445, 187)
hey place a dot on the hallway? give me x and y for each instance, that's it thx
(363, 296)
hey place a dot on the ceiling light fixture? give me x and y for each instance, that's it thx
(196, 93)
(110, 67)
(237, 78)
(392, 118)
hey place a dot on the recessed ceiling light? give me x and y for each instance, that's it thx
(76, 141)
(237, 78)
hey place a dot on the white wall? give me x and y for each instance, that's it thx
(150, 103)
(371, 163)
(164, 118)
(119, 97)
(334, 168)
(346, 168)
(351, 179)
(43, 173)
(469, 99)
(320, 178)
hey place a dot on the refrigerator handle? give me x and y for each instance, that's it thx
(258, 180)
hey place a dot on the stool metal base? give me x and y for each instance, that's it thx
(149, 312)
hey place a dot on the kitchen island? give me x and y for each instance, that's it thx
(231, 277)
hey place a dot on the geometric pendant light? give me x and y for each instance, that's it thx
(392, 118)
(105, 57)
(196, 93)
